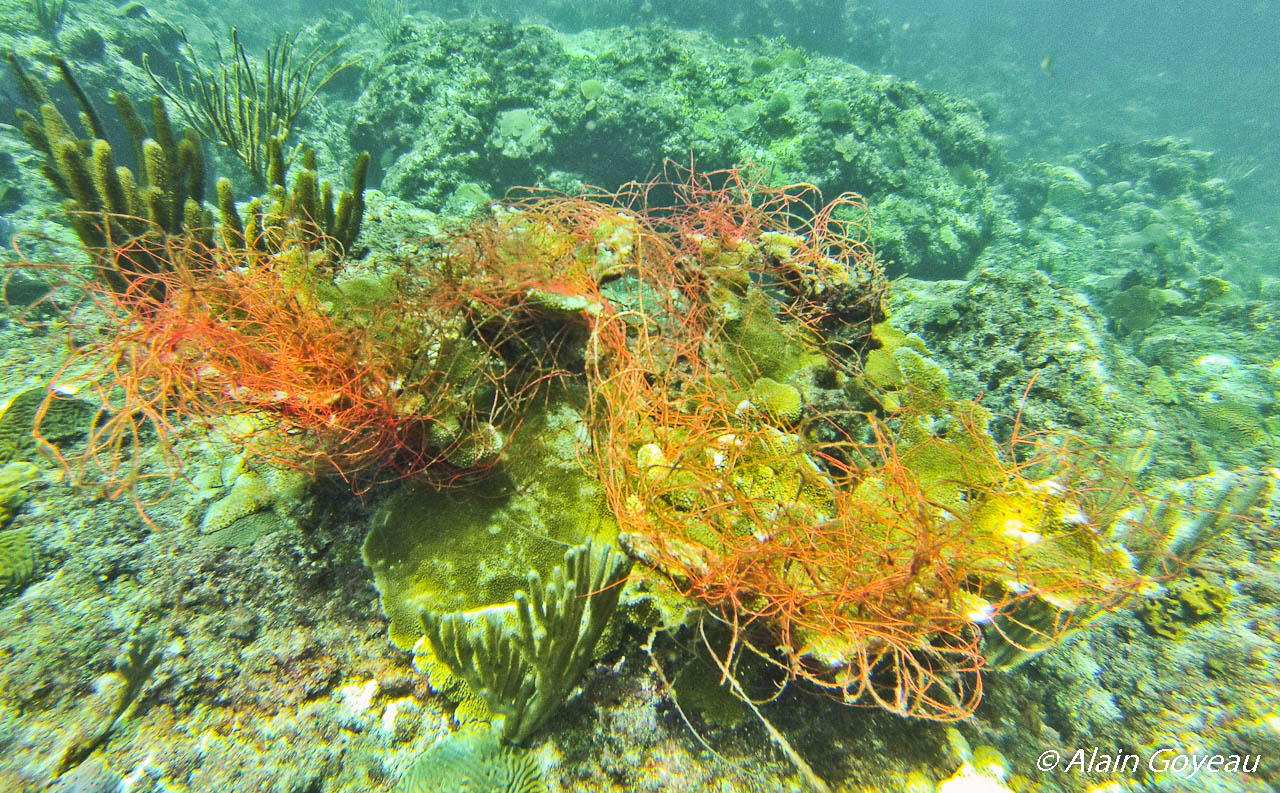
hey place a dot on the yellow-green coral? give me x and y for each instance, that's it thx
(524, 660)
(1186, 603)
(472, 761)
(898, 371)
(881, 366)
(921, 373)
(815, 274)
(1049, 540)
(615, 238)
(780, 403)
(65, 418)
(462, 549)
(1240, 425)
(560, 304)
(478, 447)
(469, 708)
(17, 557)
(251, 491)
(757, 344)
(14, 478)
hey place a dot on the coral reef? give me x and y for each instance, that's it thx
(907, 503)
(1095, 689)
(42, 418)
(1143, 229)
(14, 479)
(249, 494)
(466, 548)
(482, 103)
(1035, 348)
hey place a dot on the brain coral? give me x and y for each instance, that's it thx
(473, 762)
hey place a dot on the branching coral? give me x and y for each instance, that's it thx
(112, 206)
(525, 670)
(48, 15)
(205, 330)
(249, 107)
(125, 217)
(135, 666)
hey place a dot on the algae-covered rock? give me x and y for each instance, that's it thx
(700, 687)
(470, 102)
(1004, 331)
(1068, 190)
(1186, 603)
(91, 776)
(1154, 208)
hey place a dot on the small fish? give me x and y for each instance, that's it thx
(1046, 65)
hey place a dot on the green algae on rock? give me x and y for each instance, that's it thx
(1186, 603)
(443, 105)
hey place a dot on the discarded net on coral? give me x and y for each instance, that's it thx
(780, 456)
(767, 442)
